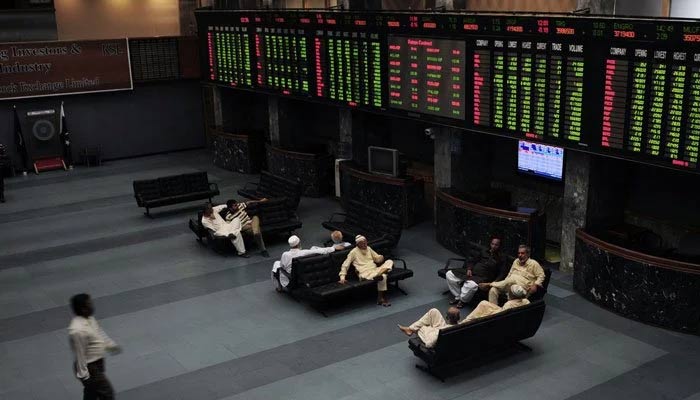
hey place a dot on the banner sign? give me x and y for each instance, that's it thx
(36, 69)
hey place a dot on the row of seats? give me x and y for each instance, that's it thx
(173, 189)
(315, 278)
(273, 186)
(361, 219)
(275, 218)
(473, 251)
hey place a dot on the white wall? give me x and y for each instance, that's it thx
(685, 8)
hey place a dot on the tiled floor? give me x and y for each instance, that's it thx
(197, 325)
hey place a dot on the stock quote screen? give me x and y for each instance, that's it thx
(348, 61)
(228, 58)
(427, 75)
(626, 88)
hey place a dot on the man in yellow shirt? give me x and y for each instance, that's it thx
(525, 272)
(365, 261)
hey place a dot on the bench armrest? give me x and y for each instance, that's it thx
(247, 186)
(334, 214)
(287, 274)
(213, 186)
(402, 261)
(450, 260)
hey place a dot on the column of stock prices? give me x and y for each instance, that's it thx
(620, 87)
(427, 75)
(283, 62)
(650, 96)
(529, 88)
(348, 67)
(229, 55)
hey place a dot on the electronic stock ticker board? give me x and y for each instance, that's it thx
(626, 88)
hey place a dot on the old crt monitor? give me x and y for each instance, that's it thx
(385, 161)
(541, 160)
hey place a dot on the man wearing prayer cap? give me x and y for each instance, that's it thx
(369, 266)
(280, 279)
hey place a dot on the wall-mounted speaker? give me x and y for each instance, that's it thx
(42, 135)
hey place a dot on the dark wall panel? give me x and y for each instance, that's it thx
(26, 26)
(150, 119)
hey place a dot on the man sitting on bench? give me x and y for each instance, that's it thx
(365, 261)
(281, 280)
(429, 325)
(517, 296)
(336, 241)
(213, 221)
(464, 283)
(249, 225)
(525, 272)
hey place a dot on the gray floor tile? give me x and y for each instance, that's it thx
(195, 325)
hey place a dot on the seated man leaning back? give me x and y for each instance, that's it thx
(525, 272)
(365, 260)
(464, 282)
(219, 227)
(280, 280)
(249, 225)
(429, 325)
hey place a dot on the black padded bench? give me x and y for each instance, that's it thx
(372, 223)
(275, 218)
(273, 186)
(474, 249)
(315, 278)
(479, 341)
(174, 189)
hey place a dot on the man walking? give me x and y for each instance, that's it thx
(90, 344)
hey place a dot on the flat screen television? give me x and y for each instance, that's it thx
(383, 161)
(541, 160)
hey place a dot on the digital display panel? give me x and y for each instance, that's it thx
(541, 160)
(650, 94)
(283, 60)
(627, 88)
(229, 55)
(427, 75)
(348, 67)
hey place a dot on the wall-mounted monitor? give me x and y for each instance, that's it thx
(541, 160)
(383, 161)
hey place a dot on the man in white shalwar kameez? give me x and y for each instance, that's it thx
(281, 280)
(211, 219)
(429, 325)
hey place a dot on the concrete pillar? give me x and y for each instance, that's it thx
(344, 149)
(576, 184)
(444, 4)
(444, 145)
(577, 175)
(606, 7)
(274, 119)
(217, 110)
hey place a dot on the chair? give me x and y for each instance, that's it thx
(93, 153)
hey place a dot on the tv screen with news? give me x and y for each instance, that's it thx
(541, 160)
